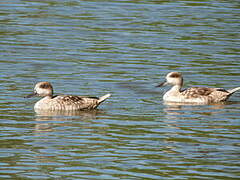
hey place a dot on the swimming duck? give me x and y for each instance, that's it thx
(63, 102)
(201, 95)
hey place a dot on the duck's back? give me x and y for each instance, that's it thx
(205, 94)
(67, 102)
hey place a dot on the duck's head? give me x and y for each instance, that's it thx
(173, 78)
(42, 89)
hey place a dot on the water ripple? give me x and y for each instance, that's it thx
(125, 48)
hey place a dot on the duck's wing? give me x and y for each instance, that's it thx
(80, 102)
(209, 94)
(73, 97)
(76, 102)
(195, 92)
(70, 98)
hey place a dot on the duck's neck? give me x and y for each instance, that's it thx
(48, 97)
(175, 89)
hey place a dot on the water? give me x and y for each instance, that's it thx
(125, 48)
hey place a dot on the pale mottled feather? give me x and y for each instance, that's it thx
(193, 94)
(68, 102)
(205, 94)
(64, 102)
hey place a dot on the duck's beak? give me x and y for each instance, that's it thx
(31, 95)
(162, 84)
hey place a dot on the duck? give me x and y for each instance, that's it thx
(63, 102)
(199, 95)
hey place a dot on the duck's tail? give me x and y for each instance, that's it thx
(231, 91)
(103, 98)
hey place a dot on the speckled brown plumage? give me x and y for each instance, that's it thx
(64, 102)
(206, 94)
(201, 95)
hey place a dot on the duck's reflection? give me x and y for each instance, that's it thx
(191, 125)
(174, 109)
(46, 120)
(88, 114)
(56, 131)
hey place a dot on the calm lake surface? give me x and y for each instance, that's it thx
(125, 48)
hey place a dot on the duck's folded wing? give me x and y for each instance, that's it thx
(196, 92)
(77, 102)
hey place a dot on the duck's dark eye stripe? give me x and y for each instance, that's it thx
(175, 75)
(45, 86)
